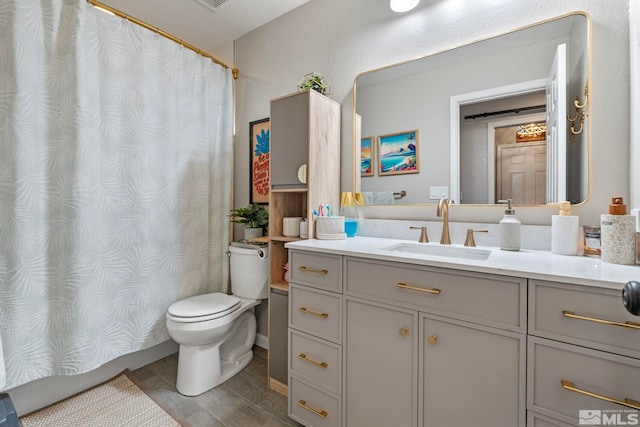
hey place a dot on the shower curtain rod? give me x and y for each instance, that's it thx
(234, 71)
(512, 110)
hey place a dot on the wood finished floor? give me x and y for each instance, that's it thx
(242, 401)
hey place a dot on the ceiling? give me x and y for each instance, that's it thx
(204, 27)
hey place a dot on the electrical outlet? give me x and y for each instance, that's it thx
(437, 193)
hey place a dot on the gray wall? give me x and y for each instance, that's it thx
(344, 38)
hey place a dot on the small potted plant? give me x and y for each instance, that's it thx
(255, 219)
(315, 81)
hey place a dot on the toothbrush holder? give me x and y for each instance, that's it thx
(330, 228)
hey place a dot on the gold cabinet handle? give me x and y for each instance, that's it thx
(433, 339)
(572, 315)
(311, 270)
(415, 288)
(321, 413)
(568, 385)
(313, 313)
(404, 332)
(304, 358)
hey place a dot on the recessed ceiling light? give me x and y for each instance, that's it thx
(403, 5)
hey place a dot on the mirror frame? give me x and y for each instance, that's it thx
(356, 178)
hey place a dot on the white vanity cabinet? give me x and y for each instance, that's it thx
(422, 342)
(583, 355)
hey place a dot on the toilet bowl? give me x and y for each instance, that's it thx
(216, 331)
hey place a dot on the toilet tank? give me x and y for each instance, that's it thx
(249, 271)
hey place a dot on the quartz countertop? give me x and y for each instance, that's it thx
(529, 264)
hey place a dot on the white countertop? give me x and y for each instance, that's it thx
(524, 263)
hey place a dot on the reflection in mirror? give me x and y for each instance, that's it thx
(474, 108)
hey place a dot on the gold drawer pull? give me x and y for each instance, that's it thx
(304, 358)
(319, 413)
(433, 339)
(572, 315)
(313, 313)
(311, 270)
(404, 332)
(568, 385)
(415, 288)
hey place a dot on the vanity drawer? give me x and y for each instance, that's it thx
(312, 407)
(316, 360)
(537, 420)
(315, 312)
(318, 271)
(592, 371)
(553, 311)
(498, 301)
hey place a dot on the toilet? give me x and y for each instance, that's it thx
(216, 331)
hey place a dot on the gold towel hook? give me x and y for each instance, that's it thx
(586, 99)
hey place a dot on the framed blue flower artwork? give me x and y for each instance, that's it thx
(259, 131)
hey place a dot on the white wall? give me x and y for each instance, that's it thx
(634, 29)
(344, 38)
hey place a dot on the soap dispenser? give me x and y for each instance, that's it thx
(509, 228)
(565, 231)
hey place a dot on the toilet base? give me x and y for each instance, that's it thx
(203, 367)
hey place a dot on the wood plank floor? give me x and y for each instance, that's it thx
(242, 401)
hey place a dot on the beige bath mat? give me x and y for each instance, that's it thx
(117, 402)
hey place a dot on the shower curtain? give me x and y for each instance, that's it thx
(115, 185)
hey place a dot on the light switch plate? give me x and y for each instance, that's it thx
(436, 193)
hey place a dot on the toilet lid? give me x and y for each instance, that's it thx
(204, 305)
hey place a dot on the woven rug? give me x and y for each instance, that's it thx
(117, 402)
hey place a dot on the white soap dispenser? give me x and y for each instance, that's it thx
(509, 228)
(565, 231)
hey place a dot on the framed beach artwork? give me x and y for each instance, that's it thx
(398, 153)
(366, 156)
(259, 132)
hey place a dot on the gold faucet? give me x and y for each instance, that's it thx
(470, 240)
(423, 234)
(443, 211)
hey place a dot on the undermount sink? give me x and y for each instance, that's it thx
(461, 252)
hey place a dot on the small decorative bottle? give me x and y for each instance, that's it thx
(618, 234)
(509, 229)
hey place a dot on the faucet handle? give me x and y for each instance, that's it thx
(470, 240)
(423, 234)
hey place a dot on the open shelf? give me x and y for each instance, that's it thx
(283, 286)
(285, 239)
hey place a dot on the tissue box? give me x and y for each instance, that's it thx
(330, 228)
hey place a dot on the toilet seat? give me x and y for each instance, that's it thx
(201, 308)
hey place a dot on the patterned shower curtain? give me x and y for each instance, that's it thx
(115, 181)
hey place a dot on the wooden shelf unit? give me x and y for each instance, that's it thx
(305, 129)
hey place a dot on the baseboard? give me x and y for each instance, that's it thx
(262, 341)
(278, 387)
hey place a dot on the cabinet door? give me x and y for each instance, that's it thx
(381, 365)
(289, 140)
(470, 375)
(278, 303)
